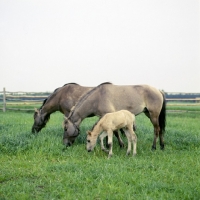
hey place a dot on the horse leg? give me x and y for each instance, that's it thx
(121, 143)
(155, 123)
(110, 143)
(162, 146)
(102, 136)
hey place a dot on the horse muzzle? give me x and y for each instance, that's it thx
(67, 142)
(34, 130)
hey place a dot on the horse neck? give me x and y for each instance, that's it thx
(50, 106)
(82, 111)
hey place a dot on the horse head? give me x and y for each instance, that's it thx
(71, 131)
(40, 120)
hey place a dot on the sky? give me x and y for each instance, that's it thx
(45, 44)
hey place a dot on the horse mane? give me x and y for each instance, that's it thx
(84, 97)
(54, 93)
(70, 83)
(43, 103)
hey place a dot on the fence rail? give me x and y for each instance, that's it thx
(26, 101)
(17, 101)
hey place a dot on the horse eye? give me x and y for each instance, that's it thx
(88, 141)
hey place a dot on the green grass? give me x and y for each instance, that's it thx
(39, 167)
(184, 108)
(21, 106)
(170, 106)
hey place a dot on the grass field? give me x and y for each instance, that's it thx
(39, 167)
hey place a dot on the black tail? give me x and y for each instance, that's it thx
(162, 116)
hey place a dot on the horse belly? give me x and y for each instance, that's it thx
(127, 99)
(134, 107)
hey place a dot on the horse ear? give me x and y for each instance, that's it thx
(65, 118)
(65, 121)
(36, 110)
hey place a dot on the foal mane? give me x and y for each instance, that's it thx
(96, 123)
(84, 97)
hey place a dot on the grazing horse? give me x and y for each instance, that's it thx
(107, 98)
(62, 99)
(109, 123)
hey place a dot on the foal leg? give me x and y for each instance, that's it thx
(129, 141)
(102, 136)
(121, 143)
(110, 142)
(134, 140)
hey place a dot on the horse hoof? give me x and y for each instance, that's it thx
(162, 147)
(153, 148)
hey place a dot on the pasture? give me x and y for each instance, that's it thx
(39, 167)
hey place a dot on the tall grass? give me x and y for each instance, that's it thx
(40, 167)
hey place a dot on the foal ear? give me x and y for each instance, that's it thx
(89, 133)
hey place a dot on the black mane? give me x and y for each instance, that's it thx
(54, 93)
(70, 83)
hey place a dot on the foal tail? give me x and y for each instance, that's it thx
(162, 116)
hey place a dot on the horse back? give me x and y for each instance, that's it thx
(134, 98)
(64, 98)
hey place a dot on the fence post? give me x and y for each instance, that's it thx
(4, 100)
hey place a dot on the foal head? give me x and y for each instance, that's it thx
(91, 141)
(40, 121)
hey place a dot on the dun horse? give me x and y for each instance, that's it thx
(107, 98)
(62, 99)
(109, 123)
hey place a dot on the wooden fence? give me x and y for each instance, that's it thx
(21, 100)
(26, 101)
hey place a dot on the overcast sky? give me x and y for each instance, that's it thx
(47, 43)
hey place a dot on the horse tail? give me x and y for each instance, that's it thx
(162, 116)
